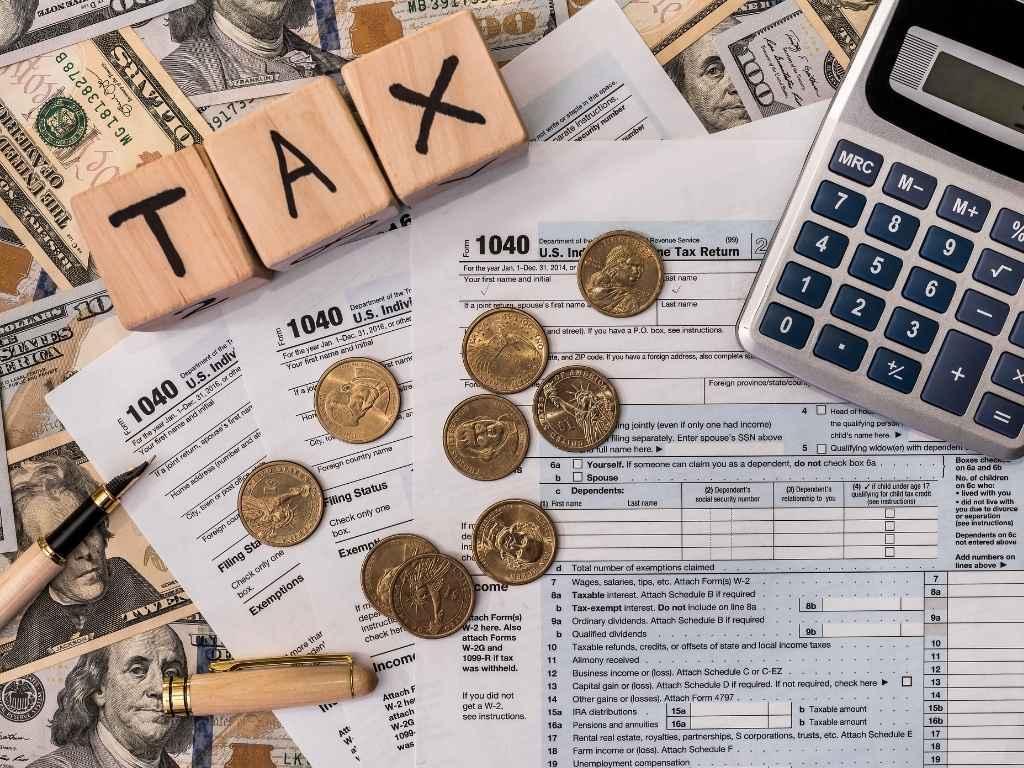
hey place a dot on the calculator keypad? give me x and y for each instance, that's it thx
(906, 298)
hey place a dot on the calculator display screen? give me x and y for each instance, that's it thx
(978, 90)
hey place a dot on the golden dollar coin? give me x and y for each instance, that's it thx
(505, 350)
(620, 273)
(432, 595)
(382, 563)
(281, 503)
(357, 400)
(576, 408)
(486, 437)
(514, 541)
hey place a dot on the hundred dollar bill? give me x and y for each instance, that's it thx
(778, 62)
(114, 585)
(41, 346)
(30, 28)
(55, 716)
(841, 23)
(75, 118)
(225, 50)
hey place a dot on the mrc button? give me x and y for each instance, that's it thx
(856, 163)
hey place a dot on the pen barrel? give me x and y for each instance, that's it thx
(261, 690)
(73, 529)
(26, 578)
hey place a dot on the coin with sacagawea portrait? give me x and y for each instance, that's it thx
(505, 350)
(357, 400)
(576, 408)
(486, 437)
(432, 595)
(382, 563)
(281, 503)
(514, 541)
(620, 273)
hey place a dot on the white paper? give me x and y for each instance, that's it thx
(750, 573)
(358, 304)
(179, 395)
(595, 79)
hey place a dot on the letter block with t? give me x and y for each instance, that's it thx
(166, 241)
(300, 175)
(435, 106)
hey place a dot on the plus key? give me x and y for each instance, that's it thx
(956, 373)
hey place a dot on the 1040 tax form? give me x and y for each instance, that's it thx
(750, 573)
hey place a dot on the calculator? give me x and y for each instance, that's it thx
(895, 277)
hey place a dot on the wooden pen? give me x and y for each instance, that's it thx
(260, 685)
(38, 565)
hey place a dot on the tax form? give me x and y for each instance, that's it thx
(178, 395)
(749, 572)
(358, 303)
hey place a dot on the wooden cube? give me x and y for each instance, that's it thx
(166, 241)
(300, 175)
(434, 105)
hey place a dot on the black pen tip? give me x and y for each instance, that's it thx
(122, 482)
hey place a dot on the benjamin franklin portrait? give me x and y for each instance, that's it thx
(109, 713)
(699, 74)
(93, 592)
(16, 18)
(226, 44)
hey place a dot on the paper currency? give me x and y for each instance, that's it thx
(778, 62)
(22, 278)
(224, 50)
(696, 67)
(75, 118)
(41, 346)
(51, 718)
(841, 23)
(33, 27)
(114, 584)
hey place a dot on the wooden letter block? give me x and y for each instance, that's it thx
(166, 241)
(434, 105)
(300, 175)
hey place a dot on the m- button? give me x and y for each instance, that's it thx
(910, 185)
(854, 162)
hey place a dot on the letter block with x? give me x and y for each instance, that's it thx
(166, 241)
(434, 106)
(301, 176)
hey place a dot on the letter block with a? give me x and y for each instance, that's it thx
(435, 106)
(166, 241)
(300, 175)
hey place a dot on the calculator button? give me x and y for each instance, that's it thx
(1009, 373)
(999, 272)
(956, 373)
(929, 290)
(911, 330)
(877, 267)
(983, 312)
(786, 325)
(841, 348)
(839, 203)
(858, 308)
(910, 185)
(856, 163)
(893, 226)
(894, 371)
(804, 285)
(964, 208)
(1000, 415)
(1009, 229)
(1017, 334)
(821, 244)
(946, 249)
